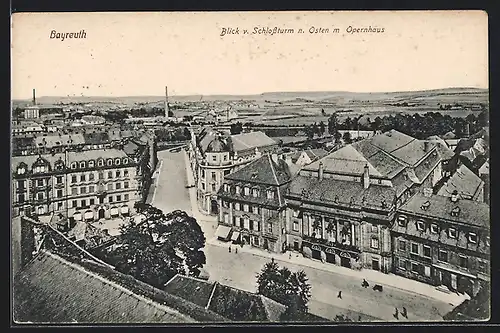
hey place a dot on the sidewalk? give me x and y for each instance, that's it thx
(206, 222)
(372, 276)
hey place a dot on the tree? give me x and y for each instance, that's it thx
(288, 288)
(315, 129)
(236, 128)
(187, 133)
(159, 247)
(332, 124)
(347, 137)
(323, 113)
(309, 131)
(321, 128)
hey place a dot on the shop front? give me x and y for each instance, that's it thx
(332, 255)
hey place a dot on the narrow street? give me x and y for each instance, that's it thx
(240, 269)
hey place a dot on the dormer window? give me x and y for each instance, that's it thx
(237, 189)
(247, 191)
(109, 162)
(21, 170)
(117, 161)
(91, 164)
(82, 165)
(434, 228)
(125, 160)
(74, 165)
(270, 194)
(402, 221)
(255, 193)
(420, 226)
(452, 233)
(100, 163)
(472, 238)
(455, 212)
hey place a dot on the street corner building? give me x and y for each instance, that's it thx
(214, 155)
(57, 282)
(253, 207)
(82, 184)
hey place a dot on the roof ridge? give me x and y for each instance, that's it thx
(273, 170)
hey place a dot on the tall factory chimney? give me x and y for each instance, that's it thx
(34, 97)
(166, 102)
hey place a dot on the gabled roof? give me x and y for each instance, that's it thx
(485, 168)
(439, 207)
(50, 141)
(232, 303)
(466, 182)
(263, 171)
(252, 140)
(316, 153)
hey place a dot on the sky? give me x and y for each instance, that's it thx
(138, 54)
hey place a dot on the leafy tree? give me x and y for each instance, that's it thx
(321, 128)
(332, 124)
(309, 132)
(288, 288)
(347, 137)
(159, 247)
(187, 133)
(315, 129)
(236, 128)
(342, 318)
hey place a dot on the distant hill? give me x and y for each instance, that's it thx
(268, 96)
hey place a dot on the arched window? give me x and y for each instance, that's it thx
(40, 166)
(82, 165)
(91, 164)
(73, 165)
(125, 160)
(109, 162)
(117, 161)
(100, 162)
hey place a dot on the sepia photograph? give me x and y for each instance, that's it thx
(222, 168)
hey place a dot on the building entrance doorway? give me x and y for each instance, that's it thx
(214, 207)
(100, 213)
(296, 246)
(330, 258)
(316, 254)
(375, 265)
(345, 262)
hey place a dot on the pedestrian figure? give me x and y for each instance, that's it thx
(404, 313)
(396, 315)
(235, 250)
(272, 260)
(359, 318)
(340, 294)
(290, 255)
(365, 284)
(229, 248)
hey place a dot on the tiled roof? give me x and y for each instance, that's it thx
(341, 192)
(252, 140)
(263, 171)
(50, 141)
(440, 207)
(51, 289)
(316, 153)
(485, 168)
(466, 182)
(96, 138)
(235, 304)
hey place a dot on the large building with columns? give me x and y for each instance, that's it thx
(214, 155)
(341, 207)
(82, 185)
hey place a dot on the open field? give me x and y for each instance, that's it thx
(288, 108)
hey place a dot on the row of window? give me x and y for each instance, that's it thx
(434, 229)
(91, 202)
(84, 177)
(244, 207)
(246, 223)
(41, 165)
(92, 188)
(254, 192)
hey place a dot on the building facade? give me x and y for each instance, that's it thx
(81, 185)
(341, 207)
(253, 205)
(443, 241)
(214, 155)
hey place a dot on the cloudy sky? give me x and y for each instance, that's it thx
(134, 54)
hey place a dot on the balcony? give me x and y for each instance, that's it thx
(327, 243)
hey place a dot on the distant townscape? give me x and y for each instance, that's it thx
(279, 207)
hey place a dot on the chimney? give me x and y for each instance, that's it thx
(34, 97)
(454, 196)
(366, 177)
(426, 146)
(166, 102)
(320, 171)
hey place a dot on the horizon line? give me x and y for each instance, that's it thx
(254, 94)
